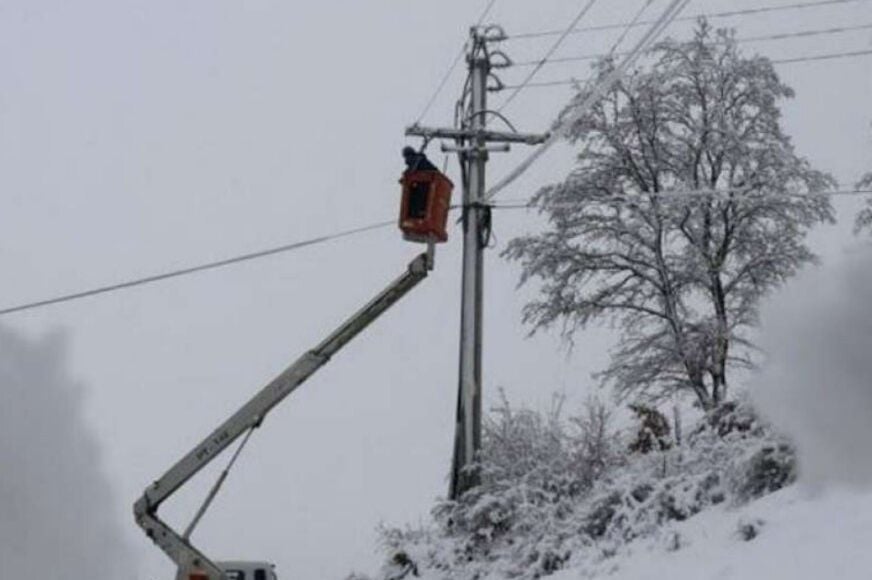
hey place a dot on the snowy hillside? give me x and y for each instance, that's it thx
(723, 505)
(572, 494)
(797, 535)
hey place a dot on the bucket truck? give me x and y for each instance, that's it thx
(423, 216)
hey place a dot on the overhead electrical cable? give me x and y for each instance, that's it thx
(447, 76)
(806, 33)
(779, 36)
(485, 12)
(195, 269)
(792, 60)
(581, 14)
(612, 51)
(830, 56)
(636, 17)
(514, 204)
(708, 15)
(577, 111)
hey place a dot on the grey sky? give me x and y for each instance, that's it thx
(141, 136)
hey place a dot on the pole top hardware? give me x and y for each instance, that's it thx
(494, 84)
(486, 135)
(497, 148)
(500, 59)
(489, 33)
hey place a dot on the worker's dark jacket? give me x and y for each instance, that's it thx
(420, 163)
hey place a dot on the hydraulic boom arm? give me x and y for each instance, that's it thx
(251, 414)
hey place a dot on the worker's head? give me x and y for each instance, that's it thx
(409, 152)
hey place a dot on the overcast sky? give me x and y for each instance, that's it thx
(139, 136)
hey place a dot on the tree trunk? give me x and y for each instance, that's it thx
(722, 341)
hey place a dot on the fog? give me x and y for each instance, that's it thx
(55, 517)
(816, 382)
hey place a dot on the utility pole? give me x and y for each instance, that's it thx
(472, 144)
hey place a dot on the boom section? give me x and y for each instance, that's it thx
(252, 414)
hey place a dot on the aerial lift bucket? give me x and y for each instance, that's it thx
(425, 204)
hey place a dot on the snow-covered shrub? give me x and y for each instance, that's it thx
(653, 433)
(532, 468)
(760, 460)
(568, 492)
(769, 469)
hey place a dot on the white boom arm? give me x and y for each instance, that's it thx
(251, 414)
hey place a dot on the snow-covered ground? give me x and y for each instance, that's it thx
(800, 535)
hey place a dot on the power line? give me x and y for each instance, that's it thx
(582, 13)
(447, 76)
(805, 33)
(485, 12)
(515, 204)
(579, 109)
(636, 18)
(194, 269)
(807, 58)
(779, 36)
(818, 57)
(611, 52)
(710, 16)
(560, 83)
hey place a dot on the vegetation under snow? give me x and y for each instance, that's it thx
(562, 492)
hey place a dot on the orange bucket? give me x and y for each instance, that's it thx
(425, 204)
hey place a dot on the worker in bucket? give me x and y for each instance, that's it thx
(417, 161)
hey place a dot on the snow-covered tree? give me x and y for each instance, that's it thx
(687, 204)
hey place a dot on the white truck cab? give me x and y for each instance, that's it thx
(248, 570)
(236, 570)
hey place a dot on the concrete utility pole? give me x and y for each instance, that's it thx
(472, 144)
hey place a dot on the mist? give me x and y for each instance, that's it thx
(816, 383)
(56, 518)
